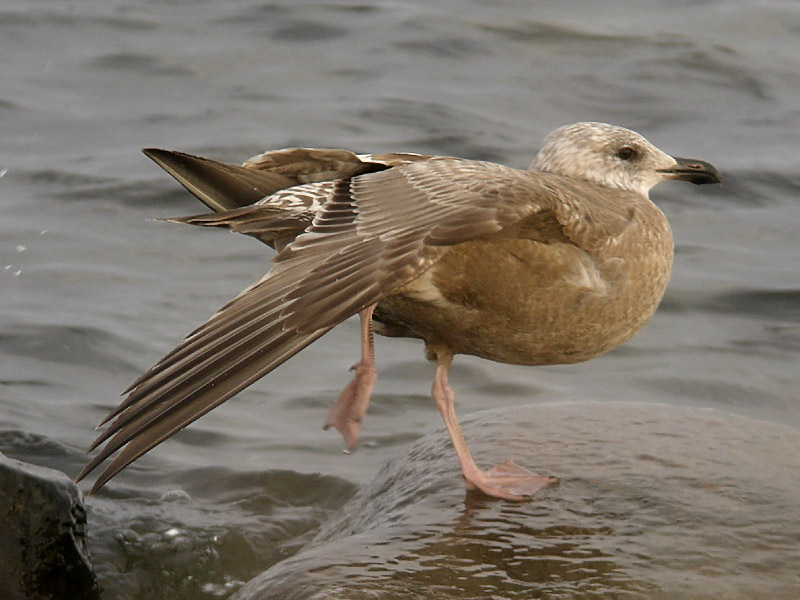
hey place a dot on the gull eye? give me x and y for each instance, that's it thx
(626, 153)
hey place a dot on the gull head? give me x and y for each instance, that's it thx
(615, 157)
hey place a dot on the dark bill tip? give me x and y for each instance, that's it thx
(694, 171)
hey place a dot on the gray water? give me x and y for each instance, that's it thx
(92, 291)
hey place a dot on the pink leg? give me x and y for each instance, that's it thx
(349, 410)
(507, 480)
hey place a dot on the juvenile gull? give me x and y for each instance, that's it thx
(555, 264)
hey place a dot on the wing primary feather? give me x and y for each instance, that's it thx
(155, 405)
(182, 374)
(183, 416)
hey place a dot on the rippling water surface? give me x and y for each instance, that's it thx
(93, 292)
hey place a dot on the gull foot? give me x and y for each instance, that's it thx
(348, 412)
(509, 481)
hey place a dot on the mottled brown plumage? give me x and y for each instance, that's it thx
(556, 264)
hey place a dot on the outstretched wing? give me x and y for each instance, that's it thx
(377, 232)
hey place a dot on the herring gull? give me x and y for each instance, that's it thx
(555, 264)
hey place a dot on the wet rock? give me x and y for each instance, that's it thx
(204, 538)
(43, 535)
(654, 502)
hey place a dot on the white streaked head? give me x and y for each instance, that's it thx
(604, 154)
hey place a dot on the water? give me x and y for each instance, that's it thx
(93, 291)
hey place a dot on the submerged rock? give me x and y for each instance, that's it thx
(42, 536)
(654, 502)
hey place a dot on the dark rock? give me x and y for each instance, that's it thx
(43, 535)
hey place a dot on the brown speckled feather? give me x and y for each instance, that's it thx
(379, 231)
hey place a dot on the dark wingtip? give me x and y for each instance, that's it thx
(218, 185)
(85, 471)
(157, 155)
(157, 152)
